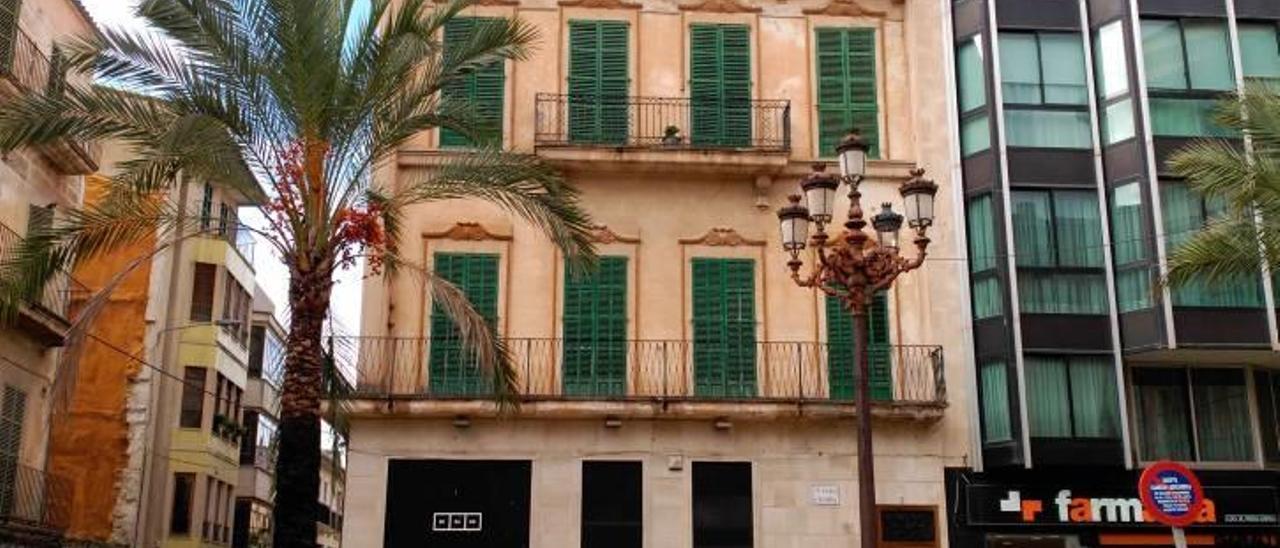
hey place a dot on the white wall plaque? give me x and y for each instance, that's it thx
(824, 495)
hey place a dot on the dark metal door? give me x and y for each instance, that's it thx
(457, 504)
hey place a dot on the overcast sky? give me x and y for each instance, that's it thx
(271, 274)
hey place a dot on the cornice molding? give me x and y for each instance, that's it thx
(856, 8)
(600, 4)
(602, 234)
(721, 6)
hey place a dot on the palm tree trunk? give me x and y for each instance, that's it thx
(298, 460)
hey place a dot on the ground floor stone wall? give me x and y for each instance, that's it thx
(791, 461)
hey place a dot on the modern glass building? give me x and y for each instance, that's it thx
(1087, 367)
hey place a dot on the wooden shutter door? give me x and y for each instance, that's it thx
(13, 413)
(202, 287)
(9, 10)
(724, 345)
(598, 81)
(720, 84)
(453, 369)
(842, 368)
(846, 66)
(595, 330)
(483, 89)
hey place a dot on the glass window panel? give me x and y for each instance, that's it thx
(1260, 50)
(1163, 415)
(1093, 398)
(1078, 229)
(1162, 55)
(975, 135)
(982, 239)
(1048, 129)
(1020, 68)
(970, 73)
(1063, 66)
(988, 301)
(1032, 229)
(1127, 236)
(1222, 414)
(1183, 213)
(1048, 403)
(1112, 65)
(1185, 118)
(1133, 290)
(1208, 55)
(1117, 122)
(997, 426)
(1266, 385)
(1061, 293)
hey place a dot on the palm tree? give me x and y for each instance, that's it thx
(295, 102)
(1235, 244)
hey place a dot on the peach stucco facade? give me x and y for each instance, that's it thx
(660, 209)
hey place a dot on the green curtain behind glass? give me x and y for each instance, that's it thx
(997, 424)
(1047, 128)
(969, 76)
(1164, 419)
(1222, 414)
(988, 301)
(1184, 215)
(1208, 55)
(982, 240)
(1020, 68)
(1032, 229)
(1162, 54)
(1063, 65)
(975, 135)
(1260, 51)
(1048, 404)
(1093, 397)
(1127, 238)
(1133, 289)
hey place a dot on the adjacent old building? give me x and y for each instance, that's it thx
(255, 489)
(1087, 367)
(36, 186)
(686, 393)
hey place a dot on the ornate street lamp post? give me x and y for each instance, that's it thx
(852, 268)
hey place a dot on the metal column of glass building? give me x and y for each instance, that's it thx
(1087, 366)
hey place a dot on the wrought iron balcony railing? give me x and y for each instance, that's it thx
(662, 123)
(648, 370)
(30, 70)
(58, 292)
(31, 498)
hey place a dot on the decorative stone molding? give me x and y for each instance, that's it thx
(467, 231)
(600, 4)
(856, 8)
(722, 237)
(489, 2)
(601, 234)
(721, 6)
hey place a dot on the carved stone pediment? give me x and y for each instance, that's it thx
(857, 8)
(466, 231)
(602, 234)
(721, 6)
(601, 4)
(722, 237)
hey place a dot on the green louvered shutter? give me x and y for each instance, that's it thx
(595, 330)
(599, 82)
(720, 85)
(841, 358)
(846, 63)
(724, 327)
(9, 10)
(453, 369)
(13, 410)
(483, 89)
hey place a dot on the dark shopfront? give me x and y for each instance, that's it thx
(1099, 507)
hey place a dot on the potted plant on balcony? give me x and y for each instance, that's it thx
(671, 136)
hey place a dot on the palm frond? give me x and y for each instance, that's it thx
(520, 183)
(1227, 249)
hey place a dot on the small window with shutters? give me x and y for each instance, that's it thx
(720, 85)
(482, 91)
(184, 487)
(842, 363)
(724, 327)
(452, 367)
(206, 275)
(13, 414)
(846, 72)
(599, 81)
(193, 381)
(595, 330)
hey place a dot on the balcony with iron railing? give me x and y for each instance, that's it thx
(648, 378)
(25, 69)
(47, 317)
(662, 129)
(34, 504)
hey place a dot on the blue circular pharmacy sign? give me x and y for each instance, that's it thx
(1171, 493)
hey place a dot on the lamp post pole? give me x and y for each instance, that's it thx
(851, 268)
